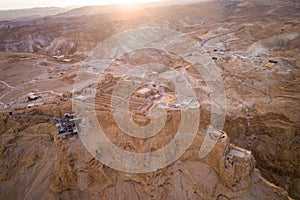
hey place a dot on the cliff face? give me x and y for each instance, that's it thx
(42, 165)
(255, 45)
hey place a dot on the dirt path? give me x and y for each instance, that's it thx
(223, 34)
(7, 85)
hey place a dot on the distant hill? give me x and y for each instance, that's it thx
(31, 13)
(106, 9)
(88, 10)
(39, 12)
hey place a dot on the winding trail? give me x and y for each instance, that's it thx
(223, 34)
(7, 85)
(4, 95)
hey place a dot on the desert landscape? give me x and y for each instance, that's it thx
(254, 44)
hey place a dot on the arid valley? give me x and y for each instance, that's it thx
(255, 47)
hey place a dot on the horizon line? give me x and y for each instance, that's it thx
(78, 5)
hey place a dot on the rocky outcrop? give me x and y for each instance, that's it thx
(273, 139)
(64, 169)
(62, 47)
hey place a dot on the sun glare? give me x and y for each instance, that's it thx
(103, 2)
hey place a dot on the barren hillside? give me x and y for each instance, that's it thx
(255, 46)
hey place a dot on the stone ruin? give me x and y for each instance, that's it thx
(233, 164)
(141, 101)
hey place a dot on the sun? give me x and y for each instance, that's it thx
(102, 2)
(130, 1)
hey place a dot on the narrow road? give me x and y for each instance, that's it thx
(6, 84)
(223, 34)
(4, 95)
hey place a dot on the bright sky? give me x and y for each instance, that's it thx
(16, 4)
